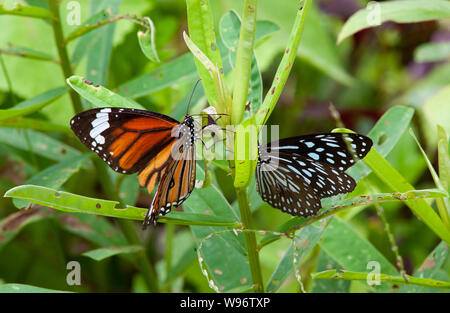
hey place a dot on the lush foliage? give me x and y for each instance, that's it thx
(381, 69)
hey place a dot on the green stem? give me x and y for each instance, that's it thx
(8, 81)
(62, 52)
(244, 56)
(142, 261)
(250, 240)
(170, 231)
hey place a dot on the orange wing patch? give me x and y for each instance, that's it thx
(144, 123)
(141, 146)
(152, 173)
(122, 143)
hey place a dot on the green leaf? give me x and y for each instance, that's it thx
(104, 253)
(32, 105)
(284, 67)
(201, 31)
(225, 270)
(384, 278)
(28, 53)
(436, 109)
(28, 11)
(56, 175)
(305, 240)
(41, 144)
(327, 285)
(20, 288)
(68, 202)
(31, 123)
(350, 249)
(229, 32)
(444, 159)
(147, 41)
(100, 43)
(98, 95)
(12, 225)
(385, 134)
(222, 97)
(407, 11)
(394, 180)
(432, 52)
(166, 75)
(443, 207)
(93, 228)
(431, 266)
(103, 17)
(332, 206)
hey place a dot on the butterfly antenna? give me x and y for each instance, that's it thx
(192, 93)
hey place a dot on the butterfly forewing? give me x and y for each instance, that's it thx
(293, 174)
(126, 139)
(336, 149)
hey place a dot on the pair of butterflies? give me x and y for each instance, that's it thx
(292, 174)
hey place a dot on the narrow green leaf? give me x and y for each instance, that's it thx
(407, 11)
(56, 175)
(39, 125)
(244, 56)
(100, 43)
(68, 202)
(305, 240)
(34, 104)
(284, 68)
(98, 95)
(385, 134)
(147, 41)
(327, 285)
(201, 31)
(222, 97)
(436, 109)
(431, 266)
(348, 275)
(104, 253)
(442, 208)
(29, 54)
(41, 144)
(166, 75)
(93, 228)
(394, 180)
(12, 225)
(432, 52)
(20, 288)
(332, 206)
(28, 11)
(95, 21)
(229, 32)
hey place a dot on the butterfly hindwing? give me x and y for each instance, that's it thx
(177, 182)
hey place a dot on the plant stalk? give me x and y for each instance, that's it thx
(244, 57)
(62, 52)
(250, 240)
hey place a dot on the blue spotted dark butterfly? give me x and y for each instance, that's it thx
(294, 174)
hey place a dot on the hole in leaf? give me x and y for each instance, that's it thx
(382, 139)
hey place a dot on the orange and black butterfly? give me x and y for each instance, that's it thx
(158, 147)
